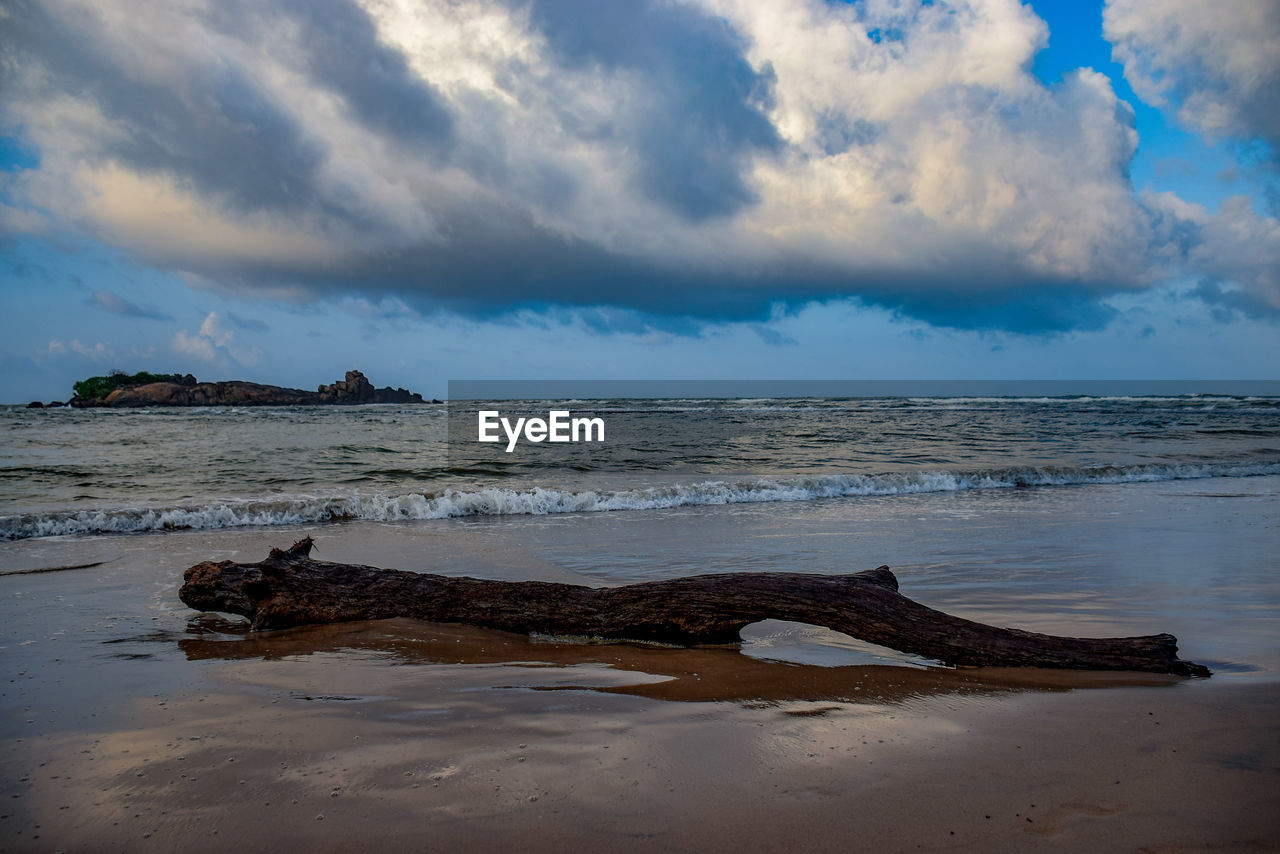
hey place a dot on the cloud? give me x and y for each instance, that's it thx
(213, 330)
(1218, 63)
(193, 345)
(117, 304)
(213, 343)
(686, 161)
(692, 113)
(99, 352)
(773, 337)
(249, 323)
(1236, 251)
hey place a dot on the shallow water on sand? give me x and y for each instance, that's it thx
(1194, 558)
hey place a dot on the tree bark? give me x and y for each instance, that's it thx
(289, 588)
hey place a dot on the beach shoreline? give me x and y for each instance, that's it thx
(134, 724)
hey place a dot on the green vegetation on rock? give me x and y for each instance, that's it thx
(96, 388)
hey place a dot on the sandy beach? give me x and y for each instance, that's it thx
(135, 724)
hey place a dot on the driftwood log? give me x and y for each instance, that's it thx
(289, 589)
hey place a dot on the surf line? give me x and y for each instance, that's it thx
(558, 426)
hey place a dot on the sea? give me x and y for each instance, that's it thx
(121, 471)
(1071, 514)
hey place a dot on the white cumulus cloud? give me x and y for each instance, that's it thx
(1218, 62)
(213, 341)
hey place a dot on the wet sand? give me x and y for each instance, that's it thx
(133, 724)
(332, 742)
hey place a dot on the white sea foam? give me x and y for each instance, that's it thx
(499, 501)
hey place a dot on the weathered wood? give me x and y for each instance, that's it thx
(289, 588)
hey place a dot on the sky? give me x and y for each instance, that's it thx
(435, 190)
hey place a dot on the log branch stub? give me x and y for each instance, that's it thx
(289, 588)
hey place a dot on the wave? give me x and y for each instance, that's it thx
(496, 501)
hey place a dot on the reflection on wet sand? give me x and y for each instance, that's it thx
(697, 674)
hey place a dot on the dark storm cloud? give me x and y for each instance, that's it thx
(699, 115)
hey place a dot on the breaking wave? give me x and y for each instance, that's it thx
(497, 501)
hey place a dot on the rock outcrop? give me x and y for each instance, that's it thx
(355, 389)
(233, 393)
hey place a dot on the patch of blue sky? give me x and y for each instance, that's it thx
(16, 154)
(1169, 158)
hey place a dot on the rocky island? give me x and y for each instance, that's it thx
(145, 389)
